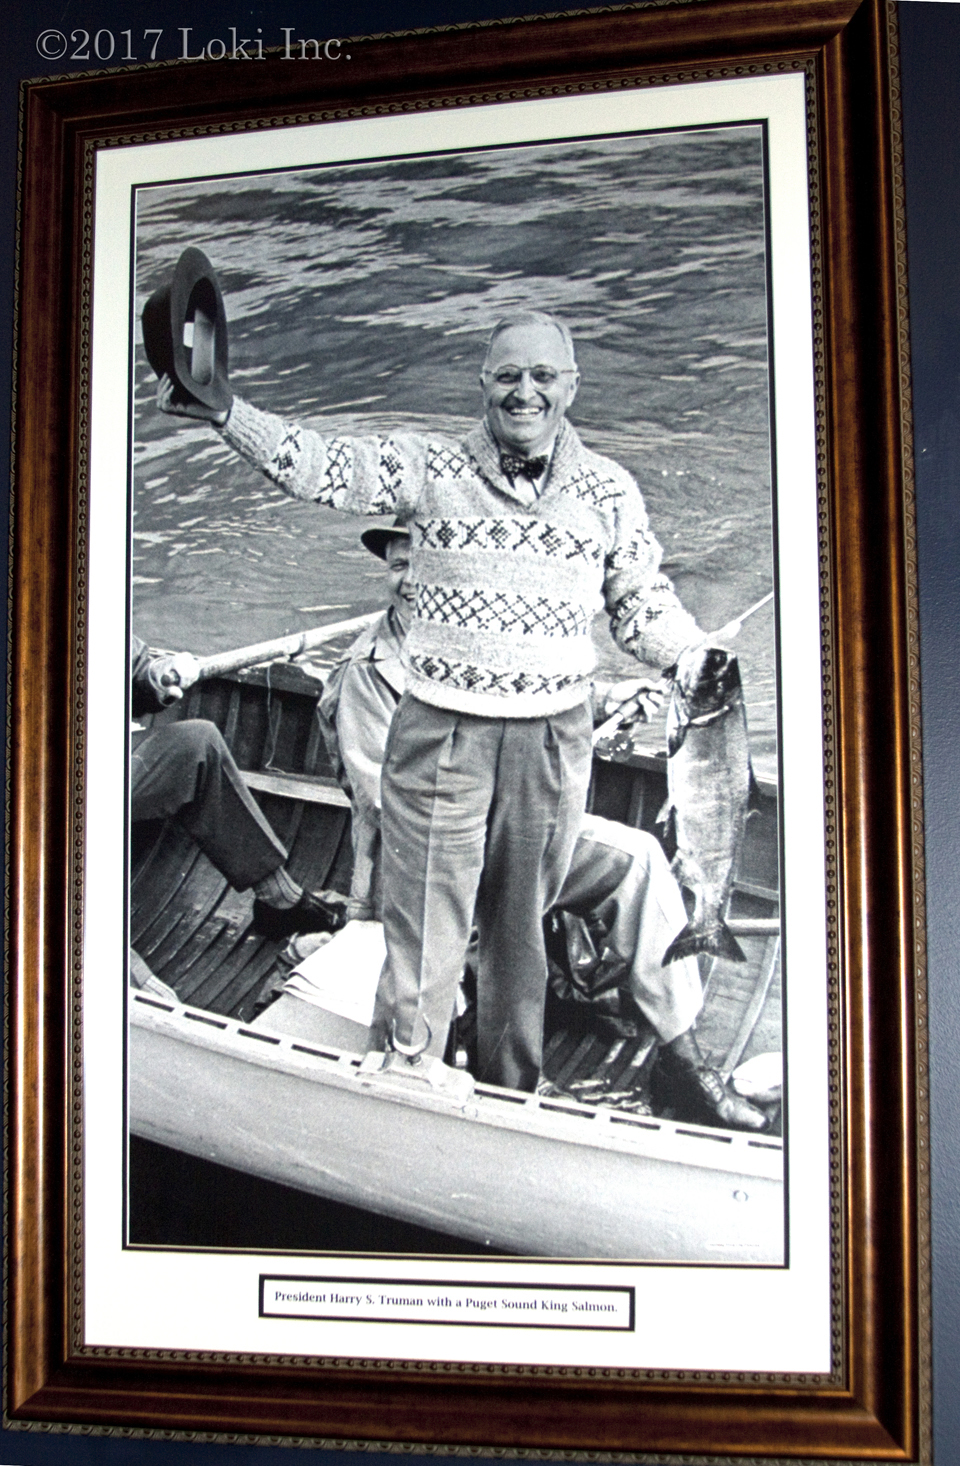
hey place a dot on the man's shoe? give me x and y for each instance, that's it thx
(146, 981)
(722, 1106)
(700, 1091)
(310, 914)
(422, 1074)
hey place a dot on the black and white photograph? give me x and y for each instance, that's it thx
(451, 498)
(574, 868)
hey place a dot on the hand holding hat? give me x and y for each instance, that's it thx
(185, 338)
(168, 400)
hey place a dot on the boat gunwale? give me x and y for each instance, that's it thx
(545, 1117)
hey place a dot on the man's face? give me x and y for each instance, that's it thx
(528, 380)
(398, 578)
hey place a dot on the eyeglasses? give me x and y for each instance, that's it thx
(541, 376)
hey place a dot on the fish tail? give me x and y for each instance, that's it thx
(718, 940)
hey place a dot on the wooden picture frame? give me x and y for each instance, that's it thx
(874, 1401)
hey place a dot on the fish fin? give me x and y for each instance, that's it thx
(668, 836)
(717, 940)
(675, 736)
(676, 723)
(729, 947)
(705, 719)
(686, 871)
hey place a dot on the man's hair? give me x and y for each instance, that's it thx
(531, 318)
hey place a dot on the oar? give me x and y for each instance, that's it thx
(725, 633)
(732, 627)
(281, 646)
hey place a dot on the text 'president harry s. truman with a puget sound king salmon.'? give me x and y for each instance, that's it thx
(519, 535)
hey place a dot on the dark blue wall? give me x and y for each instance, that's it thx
(930, 51)
(931, 88)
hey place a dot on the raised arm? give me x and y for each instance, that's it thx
(359, 475)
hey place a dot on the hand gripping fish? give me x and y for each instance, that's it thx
(708, 793)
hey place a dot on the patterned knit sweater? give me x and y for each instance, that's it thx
(507, 582)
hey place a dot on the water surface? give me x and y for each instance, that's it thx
(359, 299)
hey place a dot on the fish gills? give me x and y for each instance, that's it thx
(708, 794)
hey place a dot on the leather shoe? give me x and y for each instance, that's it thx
(701, 1091)
(310, 914)
(423, 1073)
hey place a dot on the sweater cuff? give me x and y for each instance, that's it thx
(662, 646)
(254, 434)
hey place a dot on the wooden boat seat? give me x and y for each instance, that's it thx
(313, 788)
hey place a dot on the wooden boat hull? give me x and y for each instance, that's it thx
(528, 1175)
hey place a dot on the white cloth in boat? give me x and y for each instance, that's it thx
(341, 976)
(617, 874)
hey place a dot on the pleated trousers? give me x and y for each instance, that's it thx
(479, 820)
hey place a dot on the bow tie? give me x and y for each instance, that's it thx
(530, 468)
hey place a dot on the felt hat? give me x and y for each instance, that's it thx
(377, 538)
(185, 333)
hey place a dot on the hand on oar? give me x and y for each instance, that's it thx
(176, 673)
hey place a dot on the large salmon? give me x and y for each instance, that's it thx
(708, 793)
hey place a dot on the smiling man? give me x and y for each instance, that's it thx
(525, 405)
(519, 535)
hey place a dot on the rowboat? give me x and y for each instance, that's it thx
(279, 1096)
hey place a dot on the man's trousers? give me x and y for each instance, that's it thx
(185, 771)
(620, 877)
(480, 816)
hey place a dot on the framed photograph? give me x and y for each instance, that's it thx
(394, 1059)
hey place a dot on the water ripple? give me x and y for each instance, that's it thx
(360, 297)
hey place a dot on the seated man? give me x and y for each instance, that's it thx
(185, 771)
(617, 875)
